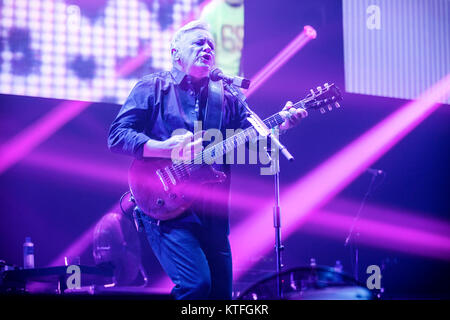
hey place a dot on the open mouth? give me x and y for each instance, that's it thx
(206, 58)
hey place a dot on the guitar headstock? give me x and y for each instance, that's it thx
(323, 98)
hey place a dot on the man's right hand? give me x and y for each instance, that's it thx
(179, 147)
(184, 147)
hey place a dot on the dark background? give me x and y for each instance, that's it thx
(55, 206)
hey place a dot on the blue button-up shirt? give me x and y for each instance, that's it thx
(161, 103)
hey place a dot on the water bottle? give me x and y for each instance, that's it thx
(313, 277)
(338, 266)
(28, 254)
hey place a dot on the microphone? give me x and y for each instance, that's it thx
(375, 172)
(217, 75)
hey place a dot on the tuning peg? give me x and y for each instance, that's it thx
(326, 85)
(337, 105)
(322, 110)
(312, 92)
(330, 107)
(319, 89)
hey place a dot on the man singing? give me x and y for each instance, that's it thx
(192, 248)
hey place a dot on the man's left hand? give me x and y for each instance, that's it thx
(294, 117)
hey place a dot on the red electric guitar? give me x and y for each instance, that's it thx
(163, 189)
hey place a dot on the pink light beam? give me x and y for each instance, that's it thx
(381, 227)
(400, 237)
(21, 144)
(327, 180)
(24, 142)
(281, 58)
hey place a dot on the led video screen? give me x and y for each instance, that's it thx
(395, 48)
(92, 50)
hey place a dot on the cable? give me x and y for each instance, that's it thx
(120, 201)
(350, 238)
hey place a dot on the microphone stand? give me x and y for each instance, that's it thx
(277, 225)
(259, 125)
(263, 130)
(352, 239)
(277, 222)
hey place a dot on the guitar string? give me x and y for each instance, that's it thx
(232, 142)
(272, 121)
(221, 149)
(180, 167)
(181, 170)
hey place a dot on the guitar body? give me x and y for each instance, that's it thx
(159, 192)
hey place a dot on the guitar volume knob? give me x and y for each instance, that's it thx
(160, 202)
(173, 196)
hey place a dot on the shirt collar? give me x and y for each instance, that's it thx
(179, 76)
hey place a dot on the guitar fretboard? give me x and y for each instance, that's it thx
(211, 153)
(214, 152)
(181, 171)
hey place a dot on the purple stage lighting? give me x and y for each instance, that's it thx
(327, 180)
(74, 49)
(382, 227)
(281, 58)
(21, 144)
(111, 85)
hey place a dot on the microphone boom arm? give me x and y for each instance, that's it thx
(259, 124)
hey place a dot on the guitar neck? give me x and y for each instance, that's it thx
(213, 152)
(216, 151)
(327, 95)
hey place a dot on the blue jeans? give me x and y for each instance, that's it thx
(196, 257)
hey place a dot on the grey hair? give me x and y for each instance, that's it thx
(195, 24)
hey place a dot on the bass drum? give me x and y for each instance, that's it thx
(309, 283)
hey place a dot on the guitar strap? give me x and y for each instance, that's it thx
(214, 106)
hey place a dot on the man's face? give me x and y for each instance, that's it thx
(196, 53)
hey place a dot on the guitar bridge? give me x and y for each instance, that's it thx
(170, 175)
(161, 178)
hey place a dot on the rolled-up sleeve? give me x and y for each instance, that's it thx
(126, 134)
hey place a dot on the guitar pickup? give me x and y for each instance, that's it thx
(161, 178)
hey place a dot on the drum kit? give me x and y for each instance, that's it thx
(309, 283)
